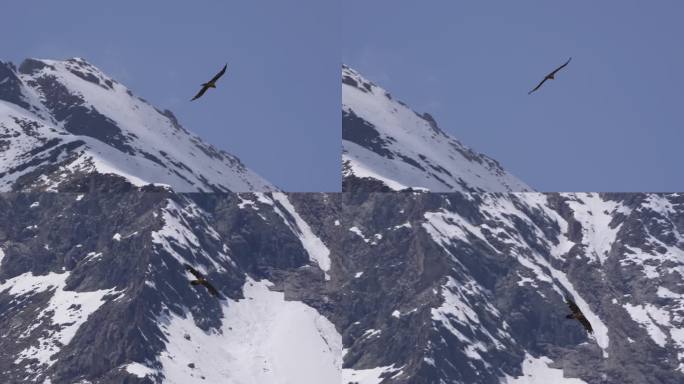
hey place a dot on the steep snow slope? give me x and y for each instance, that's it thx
(384, 140)
(263, 339)
(58, 118)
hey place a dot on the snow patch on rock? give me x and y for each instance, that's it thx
(536, 370)
(313, 245)
(65, 312)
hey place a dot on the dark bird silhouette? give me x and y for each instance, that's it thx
(201, 280)
(210, 84)
(577, 314)
(550, 76)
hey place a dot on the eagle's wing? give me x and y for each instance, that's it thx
(192, 270)
(573, 307)
(218, 75)
(200, 93)
(585, 323)
(537, 87)
(211, 289)
(561, 67)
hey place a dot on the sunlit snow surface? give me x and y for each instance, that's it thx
(368, 376)
(536, 370)
(414, 154)
(139, 370)
(263, 339)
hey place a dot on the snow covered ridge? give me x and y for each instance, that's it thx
(60, 118)
(385, 141)
(263, 339)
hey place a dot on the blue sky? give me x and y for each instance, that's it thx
(277, 108)
(612, 121)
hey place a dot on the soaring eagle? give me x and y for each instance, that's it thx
(210, 84)
(201, 280)
(550, 76)
(577, 314)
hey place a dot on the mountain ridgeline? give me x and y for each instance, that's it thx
(62, 118)
(387, 146)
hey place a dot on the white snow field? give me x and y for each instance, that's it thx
(264, 339)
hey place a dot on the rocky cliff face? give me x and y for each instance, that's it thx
(93, 285)
(62, 118)
(355, 287)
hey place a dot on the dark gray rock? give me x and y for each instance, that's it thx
(11, 86)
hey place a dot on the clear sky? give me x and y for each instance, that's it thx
(277, 108)
(613, 120)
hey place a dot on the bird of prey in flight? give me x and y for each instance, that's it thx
(550, 76)
(577, 314)
(201, 280)
(210, 84)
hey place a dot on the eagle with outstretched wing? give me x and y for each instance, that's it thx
(550, 76)
(210, 84)
(577, 314)
(201, 280)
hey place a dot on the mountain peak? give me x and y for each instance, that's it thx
(386, 141)
(69, 116)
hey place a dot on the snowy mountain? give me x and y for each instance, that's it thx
(387, 146)
(358, 287)
(63, 118)
(339, 288)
